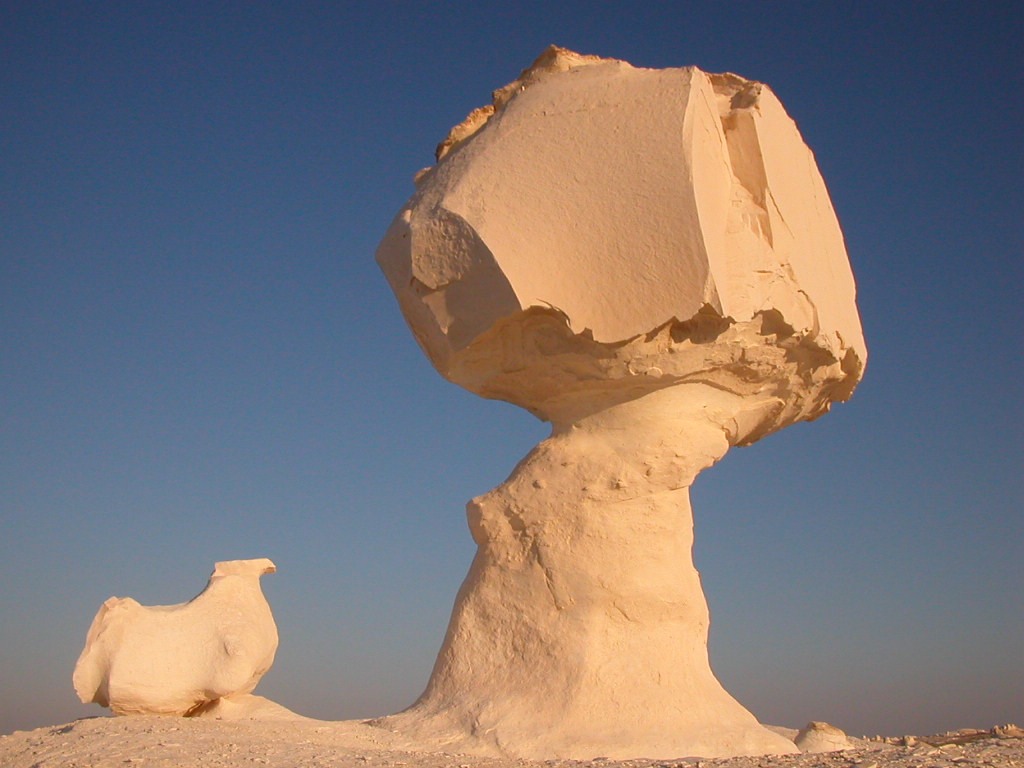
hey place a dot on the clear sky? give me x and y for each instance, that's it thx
(200, 361)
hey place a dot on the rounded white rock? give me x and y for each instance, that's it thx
(178, 659)
(821, 737)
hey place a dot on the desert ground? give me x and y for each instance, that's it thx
(161, 742)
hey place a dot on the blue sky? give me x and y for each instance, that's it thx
(200, 361)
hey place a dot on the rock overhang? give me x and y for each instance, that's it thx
(621, 200)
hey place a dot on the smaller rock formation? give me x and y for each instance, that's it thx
(180, 659)
(821, 737)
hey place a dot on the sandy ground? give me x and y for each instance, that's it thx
(160, 742)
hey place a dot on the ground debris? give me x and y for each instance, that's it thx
(157, 742)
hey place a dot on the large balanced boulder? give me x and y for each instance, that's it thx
(621, 199)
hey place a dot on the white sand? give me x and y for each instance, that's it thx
(106, 742)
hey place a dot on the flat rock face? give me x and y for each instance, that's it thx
(624, 199)
(177, 659)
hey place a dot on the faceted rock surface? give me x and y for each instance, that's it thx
(620, 201)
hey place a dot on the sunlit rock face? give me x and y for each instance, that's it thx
(821, 737)
(180, 659)
(622, 201)
(649, 260)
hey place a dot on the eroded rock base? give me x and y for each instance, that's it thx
(581, 629)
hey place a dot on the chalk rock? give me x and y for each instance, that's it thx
(1008, 731)
(821, 737)
(178, 659)
(649, 260)
(620, 202)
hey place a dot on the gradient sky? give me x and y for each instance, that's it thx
(200, 361)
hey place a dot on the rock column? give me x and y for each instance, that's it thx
(582, 627)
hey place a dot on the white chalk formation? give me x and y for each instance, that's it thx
(821, 737)
(181, 659)
(649, 260)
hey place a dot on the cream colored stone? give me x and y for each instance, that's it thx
(246, 706)
(821, 737)
(649, 260)
(178, 659)
(624, 198)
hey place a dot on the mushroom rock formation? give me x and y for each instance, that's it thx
(180, 659)
(649, 260)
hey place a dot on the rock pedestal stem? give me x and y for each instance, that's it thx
(582, 628)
